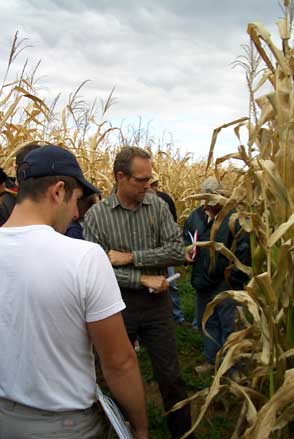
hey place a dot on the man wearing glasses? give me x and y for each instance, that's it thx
(141, 239)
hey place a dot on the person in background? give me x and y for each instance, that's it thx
(173, 289)
(75, 229)
(137, 231)
(58, 297)
(154, 185)
(8, 197)
(3, 178)
(210, 279)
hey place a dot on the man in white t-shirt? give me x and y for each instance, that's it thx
(56, 301)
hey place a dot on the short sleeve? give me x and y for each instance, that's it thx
(98, 286)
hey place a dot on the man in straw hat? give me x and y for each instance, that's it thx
(58, 297)
(209, 277)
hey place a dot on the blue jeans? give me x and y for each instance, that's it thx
(219, 325)
(178, 314)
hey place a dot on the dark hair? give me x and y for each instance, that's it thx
(35, 188)
(85, 203)
(3, 176)
(22, 152)
(123, 160)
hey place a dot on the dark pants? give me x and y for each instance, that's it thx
(219, 325)
(149, 316)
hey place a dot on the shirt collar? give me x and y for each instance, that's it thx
(113, 201)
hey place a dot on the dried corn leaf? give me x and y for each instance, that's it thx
(267, 75)
(242, 297)
(220, 247)
(231, 357)
(215, 135)
(265, 284)
(251, 411)
(257, 31)
(207, 197)
(10, 112)
(267, 416)
(284, 29)
(281, 231)
(274, 182)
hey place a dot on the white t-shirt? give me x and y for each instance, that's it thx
(50, 285)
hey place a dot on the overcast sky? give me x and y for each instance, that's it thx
(169, 60)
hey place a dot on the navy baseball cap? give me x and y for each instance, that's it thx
(50, 160)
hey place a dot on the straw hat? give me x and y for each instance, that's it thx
(211, 186)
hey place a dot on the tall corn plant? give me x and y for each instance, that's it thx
(263, 347)
(26, 117)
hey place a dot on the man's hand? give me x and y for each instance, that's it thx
(120, 368)
(120, 258)
(157, 283)
(189, 254)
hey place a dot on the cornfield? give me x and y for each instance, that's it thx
(262, 194)
(263, 347)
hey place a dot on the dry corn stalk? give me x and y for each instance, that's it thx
(264, 206)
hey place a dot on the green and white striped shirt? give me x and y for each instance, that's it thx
(148, 232)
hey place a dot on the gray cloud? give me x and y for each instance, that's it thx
(169, 60)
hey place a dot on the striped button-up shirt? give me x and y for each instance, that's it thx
(148, 232)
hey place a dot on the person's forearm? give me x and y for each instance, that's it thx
(128, 277)
(167, 255)
(126, 385)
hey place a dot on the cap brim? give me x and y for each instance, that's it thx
(88, 188)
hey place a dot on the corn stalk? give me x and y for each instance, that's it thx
(264, 202)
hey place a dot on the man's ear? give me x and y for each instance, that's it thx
(120, 176)
(57, 192)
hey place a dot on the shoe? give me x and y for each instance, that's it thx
(204, 368)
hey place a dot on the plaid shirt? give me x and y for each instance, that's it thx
(148, 232)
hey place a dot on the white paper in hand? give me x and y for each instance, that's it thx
(114, 415)
(169, 280)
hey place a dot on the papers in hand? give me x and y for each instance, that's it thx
(114, 415)
(169, 280)
(173, 277)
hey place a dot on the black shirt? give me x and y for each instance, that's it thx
(171, 204)
(7, 203)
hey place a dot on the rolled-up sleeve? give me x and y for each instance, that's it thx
(129, 277)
